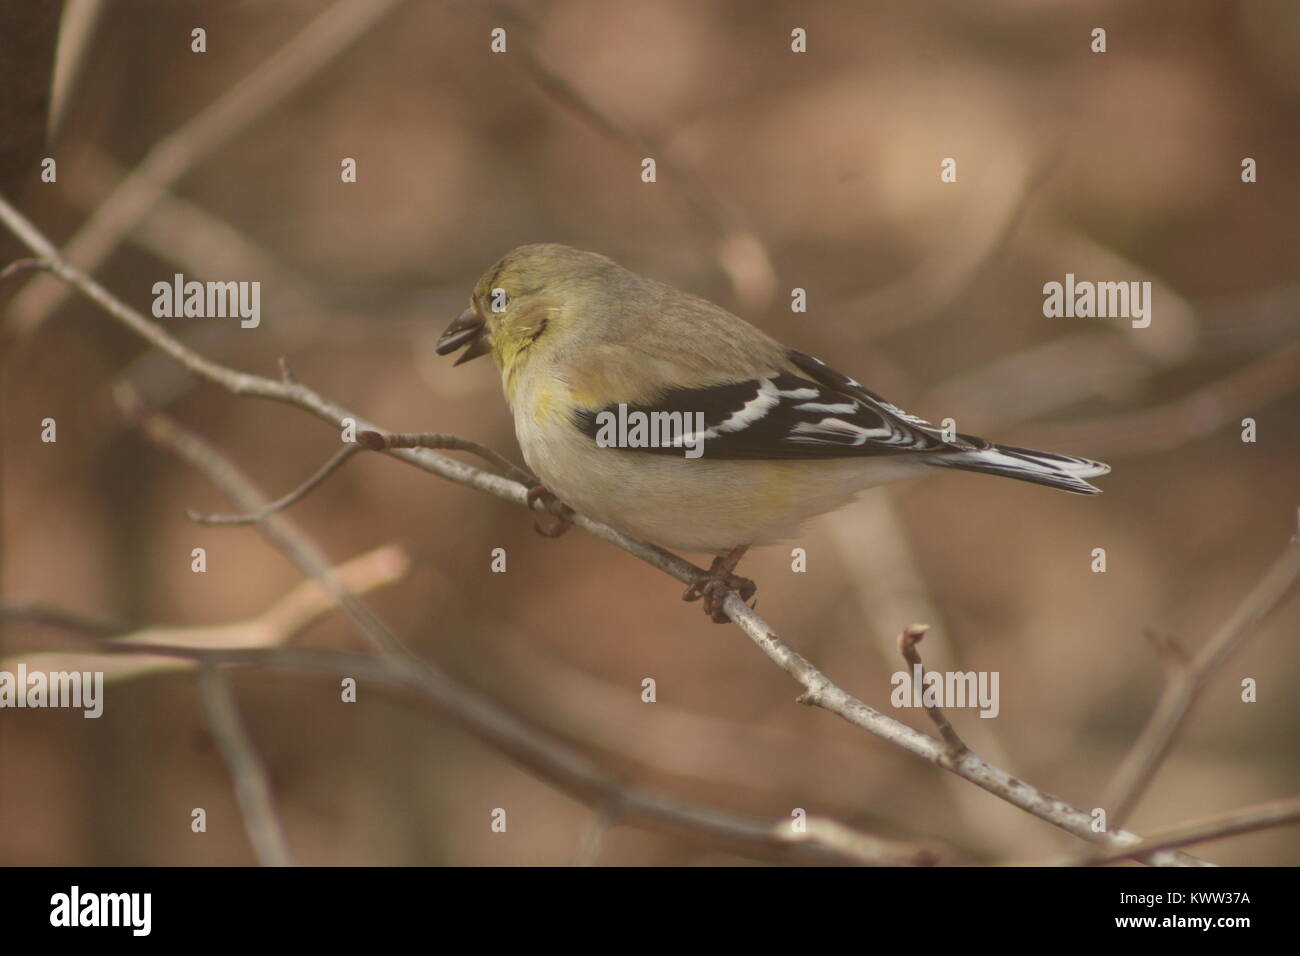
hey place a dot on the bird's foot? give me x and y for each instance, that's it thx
(714, 586)
(561, 513)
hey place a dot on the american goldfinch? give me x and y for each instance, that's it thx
(754, 437)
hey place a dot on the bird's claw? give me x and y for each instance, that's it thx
(714, 586)
(552, 505)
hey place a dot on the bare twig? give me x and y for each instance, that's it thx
(818, 689)
(365, 441)
(1180, 693)
(253, 517)
(77, 28)
(252, 788)
(1181, 420)
(1262, 816)
(593, 838)
(277, 625)
(1040, 379)
(872, 850)
(907, 642)
(19, 266)
(40, 612)
(171, 157)
(551, 760)
(542, 753)
(181, 232)
(889, 586)
(378, 441)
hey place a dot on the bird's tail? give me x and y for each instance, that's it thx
(1041, 467)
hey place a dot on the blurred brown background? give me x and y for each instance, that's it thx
(777, 170)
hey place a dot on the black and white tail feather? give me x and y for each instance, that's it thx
(821, 413)
(1041, 467)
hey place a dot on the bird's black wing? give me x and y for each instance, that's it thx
(816, 412)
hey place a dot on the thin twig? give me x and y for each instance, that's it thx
(1262, 816)
(874, 850)
(77, 29)
(183, 233)
(365, 441)
(907, 642)
(889, 586)
(563, 766)
(19, 266)
(284, 71)
(1184, 419)
(40, 612)
(970, 767)
(277, 625)
(542, 753)
(1153, 744)
(253, 517)
(593, 838)
(379, 441)
(252, 788)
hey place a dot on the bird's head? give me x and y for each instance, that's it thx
(531, 292)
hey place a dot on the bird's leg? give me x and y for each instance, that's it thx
(714, 585)
(553, 506)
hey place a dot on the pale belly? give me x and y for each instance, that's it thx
(697, 505)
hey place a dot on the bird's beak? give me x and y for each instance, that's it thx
(469, 329)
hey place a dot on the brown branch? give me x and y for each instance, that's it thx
(1187, 418)
(907, 642)
(1153, 744)
(872, 850)
(365, 441)
(181, 232)
(889, 587)
(1262, 816)
(50, 615)
(252, 787)
(593, 838)
(76, 30)
(284, 71)
(253, 517)
(275, 626)
(562, 766)
(818, 689)
(377, 441)
(542, 753)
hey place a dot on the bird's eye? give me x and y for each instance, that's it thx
(499, 300)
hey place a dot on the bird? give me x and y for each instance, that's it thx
(756, 437)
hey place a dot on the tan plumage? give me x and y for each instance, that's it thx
(577, 333)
